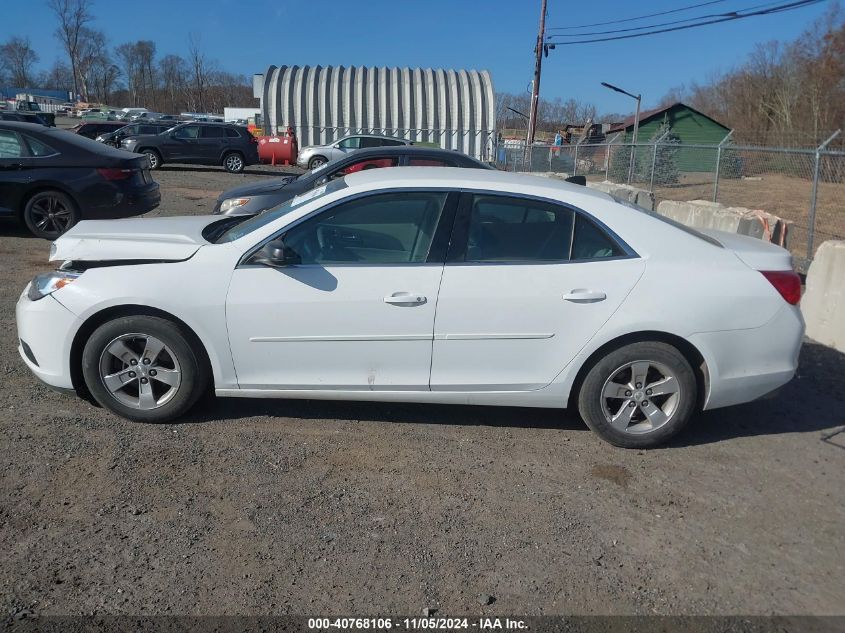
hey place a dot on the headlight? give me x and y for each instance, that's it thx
(232, 203)
(47, 283)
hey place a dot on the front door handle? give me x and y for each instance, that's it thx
(582, 295)
(405, 299)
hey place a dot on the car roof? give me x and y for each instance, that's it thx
(462, 178)
(26, 127)
(392, 138)
(406, 150)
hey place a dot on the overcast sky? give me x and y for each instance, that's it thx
(245, 36)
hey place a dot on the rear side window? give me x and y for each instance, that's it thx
(391, 142)
(10, 145)
(37, 148)
(514, 229)
(213, 132)
(509, 229)
(591, 242)
(232, 133)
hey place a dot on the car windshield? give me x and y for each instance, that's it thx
(270, 215)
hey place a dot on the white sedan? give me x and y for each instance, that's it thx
(420, 285)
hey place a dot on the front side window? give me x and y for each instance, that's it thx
(515, 229)
(369, 163)
(189, 131)
(353, 142)
(429, 162)
(10, 145)
(387, 228)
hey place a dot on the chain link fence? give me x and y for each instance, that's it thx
(806, 187)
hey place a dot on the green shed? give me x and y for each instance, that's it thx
(688, 124)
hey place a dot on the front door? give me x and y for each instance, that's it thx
(15, 171)
(357, 312)
(181, 144)
(526, 286)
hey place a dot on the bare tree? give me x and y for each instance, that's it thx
(17, 57)
(58, 77)
(200, 68)
(173, 71)
(73, 15)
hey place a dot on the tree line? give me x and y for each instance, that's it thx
(129, 74)
(785, 93)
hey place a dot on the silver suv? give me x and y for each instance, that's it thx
(316, 155)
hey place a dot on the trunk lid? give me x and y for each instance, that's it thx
(135, 239)
(755, 253)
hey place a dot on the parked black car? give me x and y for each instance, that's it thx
(257, 197)
(114, 137)
(24, 117)
(199, 143)
(50, 179)
(92, 129)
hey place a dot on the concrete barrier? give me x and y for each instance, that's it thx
(823, 303)
(704, 214)
(634, 195)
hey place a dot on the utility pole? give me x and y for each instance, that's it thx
(538, 64)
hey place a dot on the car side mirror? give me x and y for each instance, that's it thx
(276, 255)
(336, 145)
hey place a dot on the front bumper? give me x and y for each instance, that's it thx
(47, 328)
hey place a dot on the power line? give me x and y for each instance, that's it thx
(778, 9)
(642, 17)
(673, 22)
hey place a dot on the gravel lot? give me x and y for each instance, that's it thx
(277, 507)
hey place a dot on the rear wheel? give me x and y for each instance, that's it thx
(639, 395)
(154, 157)
(48, 214)
(233, 162)
(144, 368)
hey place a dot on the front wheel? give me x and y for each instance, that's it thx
(317, 161)
(144, 368)
(639, 396)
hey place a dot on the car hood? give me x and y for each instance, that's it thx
(135, 239)
(256, 189)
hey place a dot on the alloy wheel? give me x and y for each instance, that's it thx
(234, 162)
(640, 397)
(51, 216)
(153, 158)
(140, 371)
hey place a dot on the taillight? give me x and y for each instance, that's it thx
(786, 282)
(113, 173)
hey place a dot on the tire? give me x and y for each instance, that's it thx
(154, 157)
(114, 365)
(634, 416)
(48, 214)
(233, 162)
(317, 161)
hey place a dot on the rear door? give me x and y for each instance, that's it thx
(527, 283)
(212, 142)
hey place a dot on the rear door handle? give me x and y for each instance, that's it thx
(405, 299)
(582, 295)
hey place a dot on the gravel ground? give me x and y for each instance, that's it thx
(299, 507)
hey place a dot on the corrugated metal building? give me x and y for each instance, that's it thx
(456, 109)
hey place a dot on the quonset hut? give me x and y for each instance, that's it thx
(455, 109)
